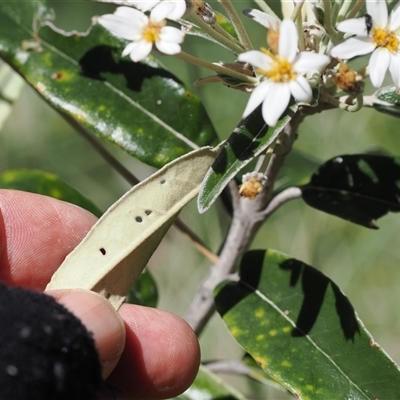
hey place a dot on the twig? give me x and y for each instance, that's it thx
(280, 199)
(248, 215)
(111, 160)
(237, 24)
(219, 69)
(221, 38)
(196, 241)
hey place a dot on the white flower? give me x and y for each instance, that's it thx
(173, 9)
(143, 31)
(283, 74)
(379, 37)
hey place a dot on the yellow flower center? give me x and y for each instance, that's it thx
(281, 69)
(384, 38)
(151, 32)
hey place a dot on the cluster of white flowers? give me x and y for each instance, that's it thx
(282, 69)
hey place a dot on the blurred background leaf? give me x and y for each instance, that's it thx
(303, 331)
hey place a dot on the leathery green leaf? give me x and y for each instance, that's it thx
(249, 139)
(113, 254)
(140, 107)
(303, 331)
(387, 101)
(359, 188)
(45, 183)
(209, 386)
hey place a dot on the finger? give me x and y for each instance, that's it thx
(100, 319)
(161, 356)
(36, 234)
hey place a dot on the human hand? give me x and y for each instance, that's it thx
(145, 353)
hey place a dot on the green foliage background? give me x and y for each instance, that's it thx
(364, 263)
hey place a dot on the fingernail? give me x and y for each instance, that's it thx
(99, 317)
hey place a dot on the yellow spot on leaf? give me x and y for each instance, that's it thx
(260, 337)
(286, 364)
(260, 312)
(310, 388)
(55, 193)
(286, 329)
(262, 362)
(236, 331)
(273, 332)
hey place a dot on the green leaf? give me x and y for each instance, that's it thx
(259, 375)
(41, 182)
(359, 188)
(249, 139)
(303, 331)
(140, 107)
(144, 292)
(208, 386)
(387, 101)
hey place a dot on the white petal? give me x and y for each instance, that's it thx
(257, 59)
(131, 14)
(257, 97)
(161, 11)
(275, 103)
(264, 19)
(143, 5)
(377, 9)
(357, 46)
(138, 50)
(129, 48)
(288, 40)
(394, 20)
(179, 10)
(171, 35)
(119, 26)
(394, 68)
(168, 47)
(354, 25)
(378, 65)
(301, 89)
(307, 61)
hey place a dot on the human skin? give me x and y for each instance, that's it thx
(145, 353)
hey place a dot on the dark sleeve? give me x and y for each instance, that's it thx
(45, 351)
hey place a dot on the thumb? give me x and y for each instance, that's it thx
(100, 319)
